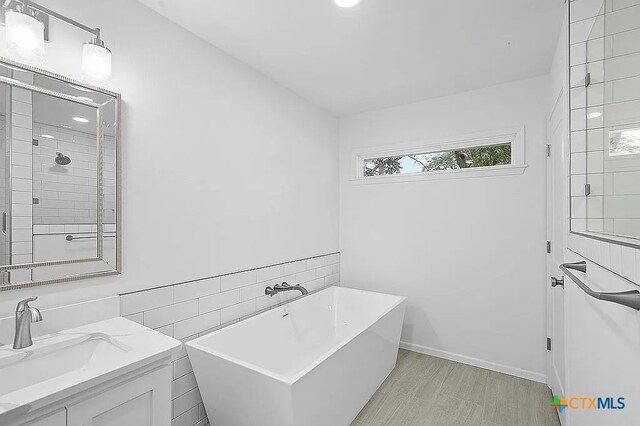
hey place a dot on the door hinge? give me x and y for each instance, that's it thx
(549, 247)
(587, 79)
(548, 150)
(548, 343)
(587, 190)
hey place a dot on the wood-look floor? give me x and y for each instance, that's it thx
(424, 390)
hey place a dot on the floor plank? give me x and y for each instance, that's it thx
(427, 391)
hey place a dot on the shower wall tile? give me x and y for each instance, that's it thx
(579, 141)
(604, 39)
(585, 9)
(21, 170)
(189, 310)
(271, 272)
(238, 280)
(146, 300)
(295, 267)
(170, 314)
(581, 30)
(68, 194)
(218, 301)
(196, 289)
(197, 324)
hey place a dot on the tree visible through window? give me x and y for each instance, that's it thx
(464, 158)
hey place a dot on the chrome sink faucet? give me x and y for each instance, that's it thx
(25, 315)
(284, 287)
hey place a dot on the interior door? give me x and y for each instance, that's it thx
(556, 214)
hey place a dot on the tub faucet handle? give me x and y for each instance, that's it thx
(272, 291)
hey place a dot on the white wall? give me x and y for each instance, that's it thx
(468, 253)
(223, 169)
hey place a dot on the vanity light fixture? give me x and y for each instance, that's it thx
(96, 61)
(27, 29)
(80, 119)
(24, 35)
(346, 3)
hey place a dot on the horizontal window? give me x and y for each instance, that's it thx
(458, 158)
(624, 142)
(488, 153)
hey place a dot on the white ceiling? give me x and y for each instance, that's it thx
(382, 52)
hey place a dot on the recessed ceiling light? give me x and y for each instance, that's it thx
(593, 115)
(47, 136)
(80, 119)
(346, 3)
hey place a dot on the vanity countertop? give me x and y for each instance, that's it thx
(70, 362)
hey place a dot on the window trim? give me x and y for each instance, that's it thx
(516, 135)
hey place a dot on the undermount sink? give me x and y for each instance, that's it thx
(71, 362)
(52, 358)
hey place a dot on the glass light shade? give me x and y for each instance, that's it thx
(96, 63)
(24, 37)
(346, 3)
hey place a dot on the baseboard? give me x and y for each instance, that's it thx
(512, 371)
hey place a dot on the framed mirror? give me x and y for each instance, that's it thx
(59, 179)
(605, 124)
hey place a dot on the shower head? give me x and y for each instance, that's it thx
(62, 159)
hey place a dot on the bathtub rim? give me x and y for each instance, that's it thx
(291, 380)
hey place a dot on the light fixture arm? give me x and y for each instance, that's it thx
(27, 4)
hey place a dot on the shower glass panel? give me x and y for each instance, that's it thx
(65, 185)
(4, 182)
(612, 151)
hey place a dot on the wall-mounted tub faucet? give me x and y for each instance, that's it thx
(272, 291)
(25, 315)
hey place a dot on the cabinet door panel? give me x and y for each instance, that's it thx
(144, 401)
(59, 418)
(137, 411)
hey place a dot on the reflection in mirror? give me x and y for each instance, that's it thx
(65, 184)
(605, 183)
(58, 178)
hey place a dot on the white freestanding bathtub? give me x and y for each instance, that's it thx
(315, 361)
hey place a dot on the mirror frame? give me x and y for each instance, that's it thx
(117, 99)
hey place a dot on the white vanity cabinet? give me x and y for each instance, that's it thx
(110, 373)
(144, 401)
